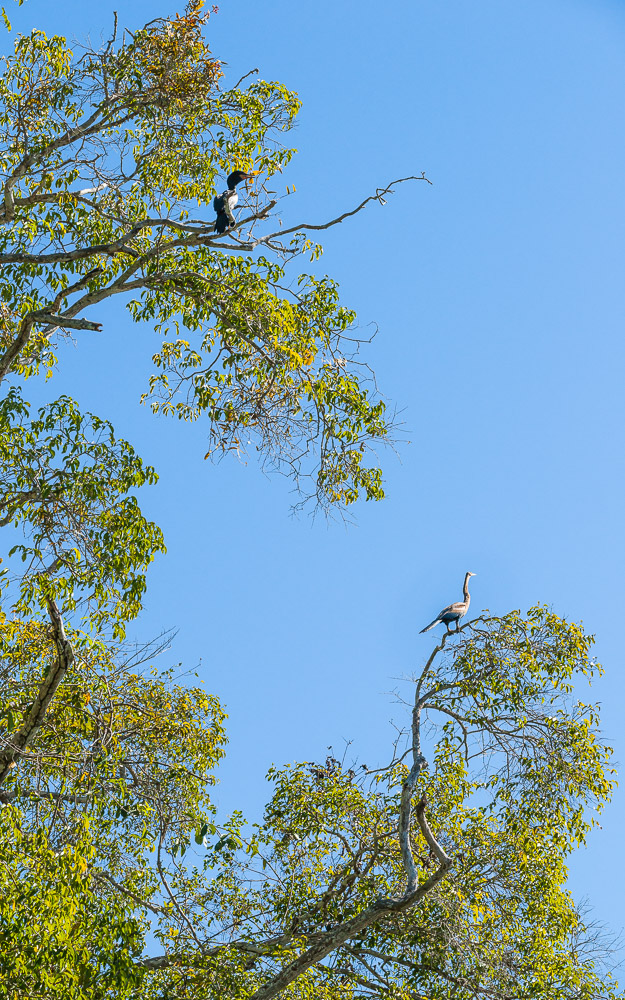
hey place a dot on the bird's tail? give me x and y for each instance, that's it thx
(222, 223)
(431, 625)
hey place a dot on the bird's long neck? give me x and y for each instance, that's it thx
(465, 589)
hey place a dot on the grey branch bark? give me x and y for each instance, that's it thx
(15, 349)
(66, 321)
(15, 747)
(329, 941)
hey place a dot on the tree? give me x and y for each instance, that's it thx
(438, 876)
(110, 164)
(411, 880)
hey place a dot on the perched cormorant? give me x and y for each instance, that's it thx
(225, 203)
(454, 612)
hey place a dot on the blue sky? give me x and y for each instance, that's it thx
(499, 297)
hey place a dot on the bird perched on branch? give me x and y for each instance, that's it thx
(453, 612)
(225, 203)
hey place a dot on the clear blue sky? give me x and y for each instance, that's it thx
(499, 296)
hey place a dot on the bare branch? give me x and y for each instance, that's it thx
(378, 196)
(433, 844)
(52, 322)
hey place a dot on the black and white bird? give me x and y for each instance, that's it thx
(225, 203)
(453, 612)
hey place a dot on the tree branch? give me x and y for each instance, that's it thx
(414, 966)
(105, 877)
(45, 694)
(378, 196)
(329, 941)
(53, 322)
(433, 844)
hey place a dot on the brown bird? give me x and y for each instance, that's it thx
(453, 612)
